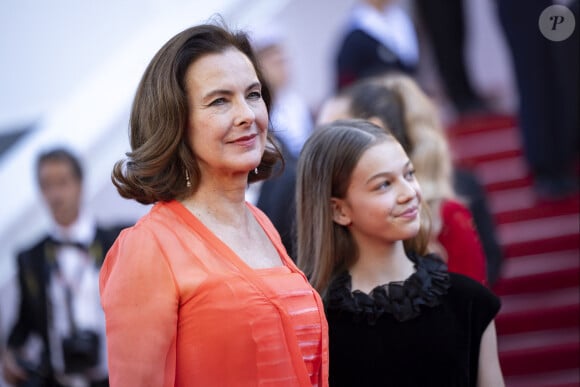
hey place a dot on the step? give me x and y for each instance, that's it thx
(539, 272)
(544, 245)
(522, 204)
(494, 172)
(472, 161)
(539, 311)
(524, 181)
(538, 229)
(511, 200)
(473, 146)
(554, 317)
(539, 352)
(484, 145)
(467, 126)
(563, 378)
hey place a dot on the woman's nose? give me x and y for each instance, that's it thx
(244, 113)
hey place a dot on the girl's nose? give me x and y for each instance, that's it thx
(407, 191)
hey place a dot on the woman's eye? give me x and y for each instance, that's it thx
(255, 95)
(218, 101)
(410, 174)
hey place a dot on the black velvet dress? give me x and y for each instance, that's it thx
(425, 331)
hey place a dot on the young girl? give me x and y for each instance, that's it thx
(396, 316)
(395, 102)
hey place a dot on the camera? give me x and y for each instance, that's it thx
(35, 374)
(80, 351)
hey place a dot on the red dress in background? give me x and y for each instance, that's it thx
(459, 237)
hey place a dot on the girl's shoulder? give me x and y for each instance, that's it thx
(466, 292)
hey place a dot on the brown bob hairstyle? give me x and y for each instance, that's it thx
(160, 158)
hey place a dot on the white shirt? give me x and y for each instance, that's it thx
(76, 269)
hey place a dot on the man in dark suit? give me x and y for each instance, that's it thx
(277, 200)
(546, 74)
(379, 37)
(58, 283)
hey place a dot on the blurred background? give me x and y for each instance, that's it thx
(69, 69)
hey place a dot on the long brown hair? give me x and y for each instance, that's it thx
(160, 158)
(324, 171)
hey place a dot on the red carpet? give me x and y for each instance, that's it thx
(538, 325)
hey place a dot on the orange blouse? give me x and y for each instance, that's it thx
(299, 303)
(182, 309)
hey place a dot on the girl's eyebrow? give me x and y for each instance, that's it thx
(387, 173)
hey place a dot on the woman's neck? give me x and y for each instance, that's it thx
(218, 203)
(380, 266)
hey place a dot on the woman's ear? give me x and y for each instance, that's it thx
(339, 212)
(377, 121)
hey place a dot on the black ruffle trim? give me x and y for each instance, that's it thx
(403, 300)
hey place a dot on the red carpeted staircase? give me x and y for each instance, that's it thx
(538, 325)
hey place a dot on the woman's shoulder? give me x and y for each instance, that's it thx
(149, 233)
(161, 215)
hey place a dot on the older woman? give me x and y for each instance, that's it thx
(201, 290)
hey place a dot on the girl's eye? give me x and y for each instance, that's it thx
(410, 174)
(385, 184)
(255, 95)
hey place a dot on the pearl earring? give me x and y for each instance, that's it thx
(187, 181)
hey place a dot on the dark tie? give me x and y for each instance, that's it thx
(69, 243)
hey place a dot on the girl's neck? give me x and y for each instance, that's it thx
(380, 266)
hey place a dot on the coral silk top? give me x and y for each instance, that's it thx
(304, 313)
(182, 309)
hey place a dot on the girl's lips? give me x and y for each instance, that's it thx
(409, 213)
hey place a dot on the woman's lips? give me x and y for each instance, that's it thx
(245, 140)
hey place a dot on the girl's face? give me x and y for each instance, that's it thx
(383, 198)
(228, 119)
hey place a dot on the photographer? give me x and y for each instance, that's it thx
(58, 284)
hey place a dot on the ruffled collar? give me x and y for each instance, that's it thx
(403, 300)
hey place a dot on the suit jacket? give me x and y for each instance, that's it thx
(277, 201)
(34, 265)
(361, 56)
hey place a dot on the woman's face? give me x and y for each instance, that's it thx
(228, 119)
(383, 198)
